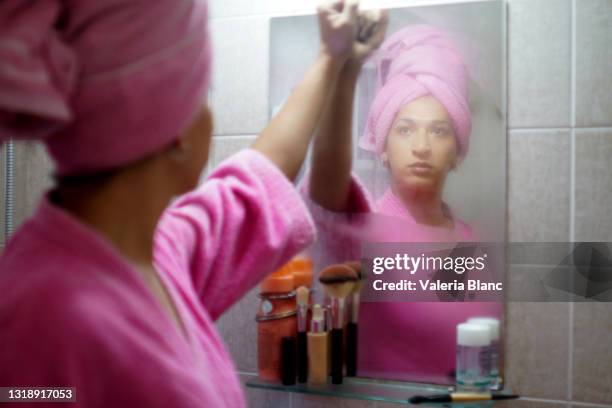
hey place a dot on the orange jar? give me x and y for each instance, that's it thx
(301, 267)
(276, 318)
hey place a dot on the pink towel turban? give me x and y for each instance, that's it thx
(415, 62)
(102, 82)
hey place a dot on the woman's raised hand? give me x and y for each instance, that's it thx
(371, 29)
(338, 27)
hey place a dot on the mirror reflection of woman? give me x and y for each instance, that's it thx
(418, 127)
(419, 152)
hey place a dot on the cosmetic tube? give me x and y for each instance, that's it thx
(318, 348)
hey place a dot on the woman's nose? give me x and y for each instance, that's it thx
(420, 144)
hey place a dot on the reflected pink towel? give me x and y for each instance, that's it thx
(415, 62)
(103, 82)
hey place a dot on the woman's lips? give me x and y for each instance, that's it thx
(421, 165)
(421, 168)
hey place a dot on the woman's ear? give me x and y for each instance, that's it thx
(179, 150)
(385, 159)
(458, 160)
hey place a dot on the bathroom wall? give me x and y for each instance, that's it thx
(559, 179)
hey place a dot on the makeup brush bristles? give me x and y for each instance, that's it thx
(338, 280)
(317, 313)
(356, 266)
(302, 296)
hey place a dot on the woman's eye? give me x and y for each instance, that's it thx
(403, 130)
(440, 131)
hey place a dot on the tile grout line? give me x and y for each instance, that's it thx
(558, 129)
(593, 129)
(572, 229)
(538, 130)
(555, 401)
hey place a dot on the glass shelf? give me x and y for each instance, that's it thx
(365, 389)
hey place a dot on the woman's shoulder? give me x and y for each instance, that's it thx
(464, 230)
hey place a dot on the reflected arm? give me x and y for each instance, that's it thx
(330, 175)
(285, 140)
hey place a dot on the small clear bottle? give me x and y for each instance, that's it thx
(494, 326)
(473, 357)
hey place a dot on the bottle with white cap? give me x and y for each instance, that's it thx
(473, 357)
(494, 326)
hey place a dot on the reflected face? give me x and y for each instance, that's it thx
(421, 146)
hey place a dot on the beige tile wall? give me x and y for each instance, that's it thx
(560, 180)
(593, 63)
(539, 72)
(538, 180)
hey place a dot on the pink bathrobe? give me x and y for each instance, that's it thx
(75, 313)
(412, 341)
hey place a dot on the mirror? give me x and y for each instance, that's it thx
(414, 339)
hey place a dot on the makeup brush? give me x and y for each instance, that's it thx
(460, 397)
(302, 345)
(338, 281)
(351, 326)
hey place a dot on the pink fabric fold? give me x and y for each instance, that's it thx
(415, 62)
(102, 82)
(75, 313)
(389, 204)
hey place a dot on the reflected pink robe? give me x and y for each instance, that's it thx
(412, 341)
(74, 312)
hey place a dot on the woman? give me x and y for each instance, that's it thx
(419, 127)
(106, 288)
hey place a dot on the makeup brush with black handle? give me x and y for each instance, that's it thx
(338, 281)
(351, 326)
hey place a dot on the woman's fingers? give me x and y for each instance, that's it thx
(367, 25)
(374, 23)
(379, 29)
(371, 29)
(351, 9)
(337, 23)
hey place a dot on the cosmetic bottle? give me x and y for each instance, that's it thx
(318, 348)
(473, 357)
(276, 319)
(494, 326)
(301, 267)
